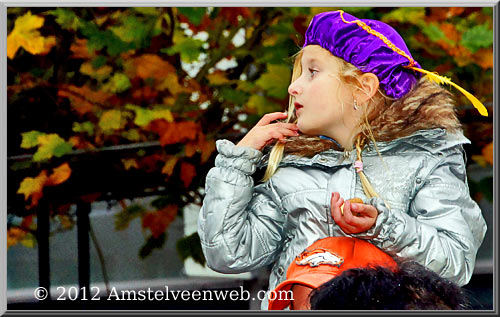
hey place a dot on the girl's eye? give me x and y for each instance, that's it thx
(312, 72)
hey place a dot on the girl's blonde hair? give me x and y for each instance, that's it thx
(349, 75)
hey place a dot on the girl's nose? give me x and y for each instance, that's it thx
(294, 89)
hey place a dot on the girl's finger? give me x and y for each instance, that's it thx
(364, 210)
(270, 117)
(288, 126)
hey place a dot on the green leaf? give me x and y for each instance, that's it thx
(51, 145)
(190, 246)
(132, 30)
(123, 218)
(194, 14)
(151, 244)
(30, 139)
(163, 201)
(62, 149)
(275, 82)
(110, 120)
(477, 37)
(232, 95)
(144, 116)
(66, 18)
(131, 134)
(98, 62)
(262, 104)
(405, 15)
(98, 39)
(117, 84)
(188, 48)
(433, 32)
(147, 10)
(485, 186)
(87, 127)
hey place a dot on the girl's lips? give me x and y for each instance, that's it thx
(298, 106)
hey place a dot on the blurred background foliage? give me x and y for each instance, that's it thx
(158, 86)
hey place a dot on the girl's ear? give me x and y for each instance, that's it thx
(368, 87)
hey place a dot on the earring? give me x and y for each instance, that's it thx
(355, 105)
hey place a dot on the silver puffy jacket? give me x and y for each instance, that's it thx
(421, 178)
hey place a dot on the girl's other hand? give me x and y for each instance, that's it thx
(357, 217)
(264, 132)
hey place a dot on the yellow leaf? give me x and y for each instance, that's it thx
(479, 159)
(171, 82)
(217, 78)
(169, 165)
(169, 101)
(28, 241)
(65, 221)
(110, 120)
(163, 114)
(129, 163)
(33, 187)
(60, 174)
(270, 40)
(100, 74)
(25, 35)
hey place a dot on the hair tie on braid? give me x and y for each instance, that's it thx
(358, 165)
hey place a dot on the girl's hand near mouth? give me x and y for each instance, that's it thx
(265, 132)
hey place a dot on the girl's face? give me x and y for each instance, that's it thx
(323, 105)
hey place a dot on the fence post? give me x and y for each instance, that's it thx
(42, 237)
(83, 226)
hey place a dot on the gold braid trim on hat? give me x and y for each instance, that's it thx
(431, 76)
(380, 36)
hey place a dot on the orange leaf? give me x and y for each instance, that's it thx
(188, 172)
(80, 49)
(484, 58)
(488, 153)
(14, 235)
(450, 32)
(80, 143)
(231, 14)
(27, 221)
(90, 197)
(60, 175)
(159, 220)
(169, 165)
(190, 149)
(83, 98)
(175, 132)
(152, 66)
(207, 148)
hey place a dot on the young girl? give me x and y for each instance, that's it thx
(361, 123)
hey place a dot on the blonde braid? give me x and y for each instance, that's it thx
(367, 187)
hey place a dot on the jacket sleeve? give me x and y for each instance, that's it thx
(443, 228)
(240, 226)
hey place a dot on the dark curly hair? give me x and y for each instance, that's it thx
(411, 287)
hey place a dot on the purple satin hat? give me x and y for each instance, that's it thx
(370, 45)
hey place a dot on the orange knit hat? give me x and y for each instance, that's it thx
(325, 259)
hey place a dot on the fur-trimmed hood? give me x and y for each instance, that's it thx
(426, 106)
